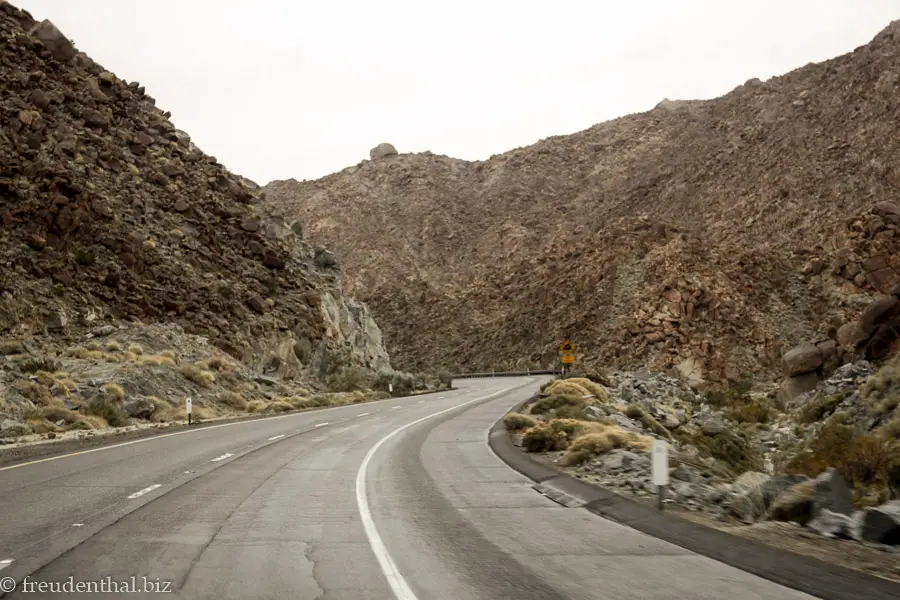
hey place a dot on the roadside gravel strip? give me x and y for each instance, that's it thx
(805, 574)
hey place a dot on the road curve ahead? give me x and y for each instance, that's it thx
(396, 499)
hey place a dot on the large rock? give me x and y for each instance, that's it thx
(833, 525)
(850, 335)
(774, 486)
(139, 408)
(59, 45)
(832, 493)
(382, 151)
(795, 504)
(877, 313)
(792, 387)
(879, 525)
(803, 359)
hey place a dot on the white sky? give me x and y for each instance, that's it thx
(300, 88)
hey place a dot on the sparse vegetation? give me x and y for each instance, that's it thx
(11, 348)
(233, 400)
(545, 405)
(105, 406)
(732, 448)
(33, 365)
(543, 438)
(639, 414)
(197, 375)
(114, 391)
(820, 409)
(518, 421)
(349, 379)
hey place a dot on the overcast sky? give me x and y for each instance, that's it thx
(299, 88)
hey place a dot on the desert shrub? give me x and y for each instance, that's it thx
(887, 405)
(752, 410)
(114, 347)
(59, 413)
(280, 406)
(233, 399)
(545, 405)
(10, 348)
(34, 391)
(320, 400)
(637, 413)
(820, 409)
(601, 441)
(18, 430)
(198, 376)
(518, 422)
(543, 438)
(864, 459)
(33, 365)
(103, 405)
(731, 448)
(136, 349)
(349, 379)
(114, 391)
(592, 388)
(373, 396)
(572, 412)
(85, 257)
(568, 387)
(256, 406)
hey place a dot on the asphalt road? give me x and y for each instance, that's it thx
(396, 499)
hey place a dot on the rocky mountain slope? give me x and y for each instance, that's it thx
(109, 211)
(706, 237)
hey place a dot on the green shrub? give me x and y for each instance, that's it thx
(33, 365)
(349, 379)
(732, 449)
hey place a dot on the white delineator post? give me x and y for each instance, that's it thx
(661, 468)
(189, 406)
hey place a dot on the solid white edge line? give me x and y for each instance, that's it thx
(275, 437)
(321, 424)
(146, 490)
(395, 580)
(223, 457)
(364, 415)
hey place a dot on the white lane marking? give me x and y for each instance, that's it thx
(166, 435)
(275, 437)
(146, 490)
(364, 415)
(398, 584)
(320, 424)
(6, 563)
(77, 524)
(395, 407)
(223, 457)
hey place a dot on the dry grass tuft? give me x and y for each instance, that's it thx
(518, 422)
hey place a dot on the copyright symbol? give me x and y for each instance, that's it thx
(7, 584)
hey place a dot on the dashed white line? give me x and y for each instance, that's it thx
(395, 407)
(398, 584)
(320, 424)
(146, 490)
(275, 437)
(364, 415)
(77, 524)
(223, 457)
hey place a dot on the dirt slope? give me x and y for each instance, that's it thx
(700, 234)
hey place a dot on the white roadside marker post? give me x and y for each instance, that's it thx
(661, 468)
(190, 409)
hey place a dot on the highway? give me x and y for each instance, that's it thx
(401, 498)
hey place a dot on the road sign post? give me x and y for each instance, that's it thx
(568, 358)
(189, 406)
(660, 468)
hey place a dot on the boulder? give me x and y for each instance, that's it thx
(713, 425)
(139, 408)
(382, 151)
(792, 387)
(59, 45)
(833, 525)
(803, 359)
(795, 504)
(851, 334)
(832, 493)
(619, 459)
(774, 486)
(877, 313)
(879, 525)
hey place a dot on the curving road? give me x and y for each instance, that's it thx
(395, 499)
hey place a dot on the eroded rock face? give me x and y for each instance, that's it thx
(677, 238)
(110, 212)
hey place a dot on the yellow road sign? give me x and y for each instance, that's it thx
(567, 347)
(568, 359)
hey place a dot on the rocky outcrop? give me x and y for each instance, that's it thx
(705, 237)
(109, 212)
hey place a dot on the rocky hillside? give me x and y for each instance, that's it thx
(109, 213)
(706, 237)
